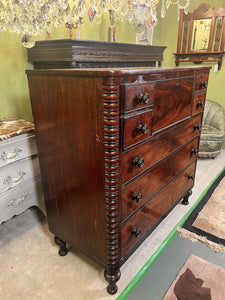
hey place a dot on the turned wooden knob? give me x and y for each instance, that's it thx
(138, 162)
(137, 196)
(136, 231)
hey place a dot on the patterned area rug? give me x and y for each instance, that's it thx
(212, 217)
(195, 281)
(208, 218)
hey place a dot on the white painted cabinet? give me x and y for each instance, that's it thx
(20, 181)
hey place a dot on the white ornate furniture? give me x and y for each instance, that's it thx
(20, 182)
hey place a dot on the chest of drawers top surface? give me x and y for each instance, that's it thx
(10, 127)
(118, 150)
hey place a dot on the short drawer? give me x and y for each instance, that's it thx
(153, 212)
(16, 148)
(142, 189)
(18, 172)
(17, 200)
(201, 82)
(172, 102)
(140, 158)
(137, 96)
(137, 128)
(198, 103)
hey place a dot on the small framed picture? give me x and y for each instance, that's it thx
(147, 36)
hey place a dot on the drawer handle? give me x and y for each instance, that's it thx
(194, 151)
(143, 97)
(138, 162)
(142, 128)
(11, 155)
(192, 177)
(203, 84)
(136, 231)
(16, 202)
(201, 104)
(197, 127)
(9, 179)
(137, 196)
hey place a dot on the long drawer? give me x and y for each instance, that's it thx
(144, 156)
(139, 191)
(138, 225)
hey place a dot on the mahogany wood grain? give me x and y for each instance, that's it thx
(198, 103)
(68, 117)
(137, 128)
(203, 78)
(156, 178)
(158, 148)
(132, 96)
(172, 102)
(155, 209)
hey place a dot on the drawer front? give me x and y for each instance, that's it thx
(137, 96)
(172, 102)
(137, 128)
(144, 156)
(139, 191)
(18, 172)
(138, 225)
(17, 200)
(198, 103)
(14, 149)
(201, 82)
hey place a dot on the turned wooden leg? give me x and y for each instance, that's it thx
(186, 197)
(112, 277)
(62, 246)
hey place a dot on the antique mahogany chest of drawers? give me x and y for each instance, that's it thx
(118, 150)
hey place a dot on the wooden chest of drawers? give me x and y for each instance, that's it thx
(20, 184)
(118, 150)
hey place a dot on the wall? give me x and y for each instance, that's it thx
(14, 95)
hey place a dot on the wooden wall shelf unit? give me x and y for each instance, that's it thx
(201, 36)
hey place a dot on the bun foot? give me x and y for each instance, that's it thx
(112, 277)
(186, 197)
(62, 246)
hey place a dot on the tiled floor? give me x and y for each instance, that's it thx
(31, 268)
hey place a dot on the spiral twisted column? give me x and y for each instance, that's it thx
(111, 110)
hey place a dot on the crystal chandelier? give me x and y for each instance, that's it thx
(32, 17)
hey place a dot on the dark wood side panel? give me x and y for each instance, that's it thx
(68, 116)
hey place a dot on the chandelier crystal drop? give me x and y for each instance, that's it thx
(32, 17)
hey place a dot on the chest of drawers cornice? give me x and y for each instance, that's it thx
(118, 150)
